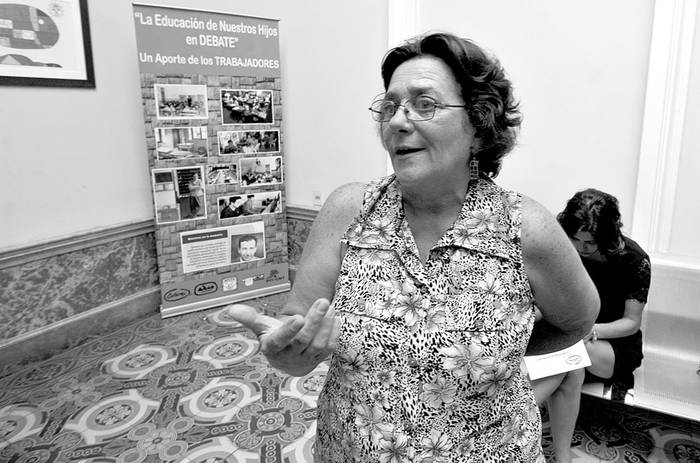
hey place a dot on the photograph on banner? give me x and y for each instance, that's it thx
(178, 194)
(240, 205)
(251, 141)
(261, 170)
(222, 174)
(247, 242)
(181, 101)
(175, 143)
(246, 106)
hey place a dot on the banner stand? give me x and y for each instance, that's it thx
(211, 92)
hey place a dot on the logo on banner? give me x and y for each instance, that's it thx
(229, 284)
(274, 275)
(205, 288)
(176, 294)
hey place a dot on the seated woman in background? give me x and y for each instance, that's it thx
(621, 271)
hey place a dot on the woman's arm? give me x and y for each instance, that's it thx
(320, 261)
(307, 332)
(629, 324)
(564, 293)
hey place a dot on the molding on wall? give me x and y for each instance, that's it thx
(75, 330)
(301, 213)
(39, 251)
(664, 117)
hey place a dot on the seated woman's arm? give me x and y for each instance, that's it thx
(563, 291)
(629, 324)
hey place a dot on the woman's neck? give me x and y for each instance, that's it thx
(437, 198)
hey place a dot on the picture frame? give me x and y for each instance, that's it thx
(46, 43)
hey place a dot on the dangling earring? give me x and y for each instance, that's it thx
(473, 168)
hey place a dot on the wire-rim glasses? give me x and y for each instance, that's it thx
(417, 108)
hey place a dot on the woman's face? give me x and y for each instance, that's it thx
(437, 149)
(584, 243)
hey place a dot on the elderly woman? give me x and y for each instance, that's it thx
(621, 272)
(433, 273)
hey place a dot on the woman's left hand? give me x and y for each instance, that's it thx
(297, 344)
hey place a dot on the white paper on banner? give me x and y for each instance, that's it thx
(561, 361)
(212, 247)
(206, 249)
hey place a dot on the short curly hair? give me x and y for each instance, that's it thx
(596, 212)
(488, 94)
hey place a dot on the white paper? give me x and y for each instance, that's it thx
(571, 358)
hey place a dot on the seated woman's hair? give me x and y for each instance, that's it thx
(488, 94)
(597, 213)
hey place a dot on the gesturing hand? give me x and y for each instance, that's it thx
(296, 344)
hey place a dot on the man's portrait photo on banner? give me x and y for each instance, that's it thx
(247, 247)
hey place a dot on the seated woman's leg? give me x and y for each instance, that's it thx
(602, 358)
(545, 387)
(563, 396)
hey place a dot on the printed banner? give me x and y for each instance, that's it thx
(198, 42)
(211, 91)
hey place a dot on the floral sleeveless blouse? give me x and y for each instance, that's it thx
(428, 363)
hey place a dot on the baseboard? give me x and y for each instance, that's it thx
(72, 331)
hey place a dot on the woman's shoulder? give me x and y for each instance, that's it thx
(344, 203)
(538, 223)
(633, 248)
(347, 194)
(543, 239)
(632, 255)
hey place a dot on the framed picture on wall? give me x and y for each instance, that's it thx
(46, 43)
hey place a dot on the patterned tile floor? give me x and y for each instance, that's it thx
(195, 389)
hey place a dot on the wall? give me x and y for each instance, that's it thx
(686, 213)
(74, 160)
(579, 70)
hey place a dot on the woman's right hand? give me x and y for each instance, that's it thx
(296, 344)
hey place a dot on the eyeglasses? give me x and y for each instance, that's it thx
(418, 108)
